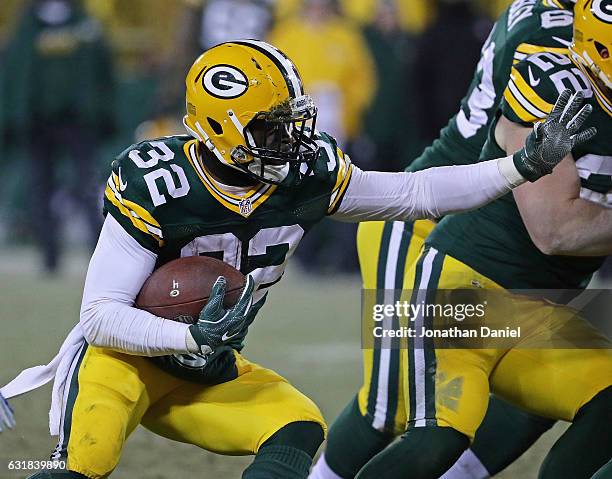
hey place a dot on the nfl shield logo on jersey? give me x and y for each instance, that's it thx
(245, 207)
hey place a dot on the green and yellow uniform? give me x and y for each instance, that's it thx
(388, 250)
(490, 249)
(165, 199)
(493, 239)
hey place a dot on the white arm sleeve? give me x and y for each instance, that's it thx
(431, 193)
(117, 271)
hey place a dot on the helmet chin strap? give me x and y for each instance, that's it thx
(226, 173)
(276, 173)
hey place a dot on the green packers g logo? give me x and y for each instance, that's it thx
(225, 81)
(602, 9)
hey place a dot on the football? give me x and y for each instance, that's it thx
(180, 289)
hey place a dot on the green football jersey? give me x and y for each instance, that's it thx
(493, 240)
(166, 200)
(526, 27)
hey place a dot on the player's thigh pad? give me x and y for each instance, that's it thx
(386, 251)
(107, 395)
(445, 387)
(235, 417)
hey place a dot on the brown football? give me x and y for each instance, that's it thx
(179, 289)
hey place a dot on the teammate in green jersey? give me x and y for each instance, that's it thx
(553, 236)
(375, 417)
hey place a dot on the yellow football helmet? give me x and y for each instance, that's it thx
(245, 101)
(592, 46)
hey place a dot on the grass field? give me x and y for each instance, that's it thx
(308, 331)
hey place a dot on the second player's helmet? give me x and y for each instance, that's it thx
(245, 101)
(591, 48)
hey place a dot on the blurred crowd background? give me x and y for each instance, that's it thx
(82, 80)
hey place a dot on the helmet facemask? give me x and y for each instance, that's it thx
(279, 144)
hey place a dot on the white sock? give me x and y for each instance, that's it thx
(468, 466)
(321, 470)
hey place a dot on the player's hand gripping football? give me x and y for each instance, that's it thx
(217, 326)
(553, 139)
(7, 418)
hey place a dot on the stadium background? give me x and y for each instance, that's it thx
(309, 331)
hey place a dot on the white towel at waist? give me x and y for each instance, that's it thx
(57, 369)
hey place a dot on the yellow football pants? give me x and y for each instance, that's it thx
(450, 387)
(386, 251)
(110, 393)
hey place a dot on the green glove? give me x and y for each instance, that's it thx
(554, 138)
(215, 325)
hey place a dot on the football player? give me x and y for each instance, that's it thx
(550, 237)
(375, 416)
(245, 187)
(7, 417)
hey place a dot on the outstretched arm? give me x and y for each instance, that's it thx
(440, 191)
(432, 193)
